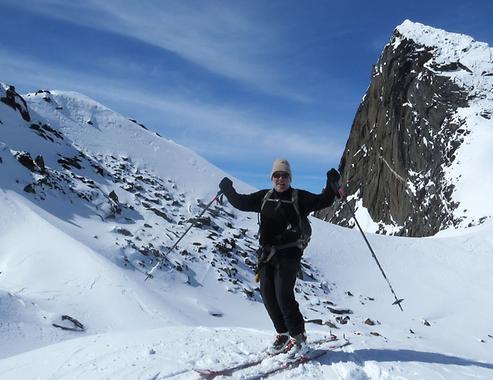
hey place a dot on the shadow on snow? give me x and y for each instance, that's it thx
(402, 356)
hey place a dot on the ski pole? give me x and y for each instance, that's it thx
(342, 195)
(149, 274)
(397, 300)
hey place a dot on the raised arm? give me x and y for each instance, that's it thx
(243, 202)
(313, 202)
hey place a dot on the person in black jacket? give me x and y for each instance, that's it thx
(280, 248)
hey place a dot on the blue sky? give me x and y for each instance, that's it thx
(239, 82)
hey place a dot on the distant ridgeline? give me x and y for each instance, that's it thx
(405, 158)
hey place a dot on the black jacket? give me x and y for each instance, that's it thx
(278, 220)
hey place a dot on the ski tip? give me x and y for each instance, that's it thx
(202, 371)
(206, 373)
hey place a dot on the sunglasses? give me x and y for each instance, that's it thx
(277, 175)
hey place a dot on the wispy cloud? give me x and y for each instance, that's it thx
(227, 131)
(213, 130)
(226, 40)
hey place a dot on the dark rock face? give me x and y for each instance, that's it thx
(402, 137)
(40, 162)
(17, 102)
(25, 159)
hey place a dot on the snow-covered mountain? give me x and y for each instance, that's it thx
(417, 160)
(90, 199)
(90, 202)
(88, 195)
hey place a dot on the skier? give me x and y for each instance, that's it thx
(282, 241)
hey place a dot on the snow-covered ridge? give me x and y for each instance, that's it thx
(430, 36)
(467, 61)
(100, 130)
(470, 62)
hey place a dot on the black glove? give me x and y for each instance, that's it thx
(333, 178)
(226, 185)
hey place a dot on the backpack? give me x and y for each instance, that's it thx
(303, 222)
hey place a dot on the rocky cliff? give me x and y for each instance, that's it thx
(404, 166)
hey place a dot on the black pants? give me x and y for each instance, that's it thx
(277, 280)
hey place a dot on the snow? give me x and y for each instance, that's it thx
(62, 254)
(148, 335)
(364, 218)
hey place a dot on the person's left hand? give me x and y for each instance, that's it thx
(333, 178)
(226, 185)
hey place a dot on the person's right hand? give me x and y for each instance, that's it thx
(226, 185)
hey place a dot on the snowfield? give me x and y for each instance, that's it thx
(149, 335)
(80, 227)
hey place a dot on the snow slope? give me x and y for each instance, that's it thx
(62, 254)
(67, 249)
(447, 278)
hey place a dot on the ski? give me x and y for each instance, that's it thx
(290, 364)
(211, 374)
(228, 371)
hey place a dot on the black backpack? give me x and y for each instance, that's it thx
(303, 222)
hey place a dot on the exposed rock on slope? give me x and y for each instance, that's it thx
(429, 91)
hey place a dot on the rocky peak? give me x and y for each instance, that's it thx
(428, 101)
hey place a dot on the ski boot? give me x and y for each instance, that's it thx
(279, 345)
(296, 346)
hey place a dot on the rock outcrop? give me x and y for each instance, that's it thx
(406, 134)
(11, 98)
